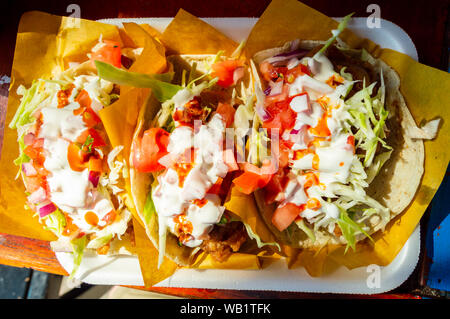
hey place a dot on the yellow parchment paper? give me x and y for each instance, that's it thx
(427, 94)
(45, 44)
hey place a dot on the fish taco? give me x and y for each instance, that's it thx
(182, 160)
(73, 176)
(349, 156)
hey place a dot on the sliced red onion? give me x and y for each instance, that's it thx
(275, 88)
(267, 90)
(28, 139)
(298, 53)
(294, 44)
(94, 177)
(238, 74)
(46, 210)
(28, 169)
(262, 113)
(37, 196)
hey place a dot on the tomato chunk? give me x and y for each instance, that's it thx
(226, 111)
(283, 117)
(91, 137)
(285, 215)
(276, 185)
(108, 53)
(254, 177)
(148, 149)
(224, 70)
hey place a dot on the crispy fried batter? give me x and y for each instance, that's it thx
(224, 240)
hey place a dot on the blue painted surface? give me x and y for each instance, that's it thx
(38, 285)
(438, 238)
(13, 282)
(22, 283)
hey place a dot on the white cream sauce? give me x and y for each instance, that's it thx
(334, 154)
(70, 190)
(171, 199)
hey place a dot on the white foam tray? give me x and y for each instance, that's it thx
(102, 270)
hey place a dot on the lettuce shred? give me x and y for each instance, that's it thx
(78, 245)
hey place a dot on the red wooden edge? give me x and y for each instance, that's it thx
(29, 253)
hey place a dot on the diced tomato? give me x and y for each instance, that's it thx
(247, 182)
(271, 73)
(293, 73)
(227, 112)
(276, 185)
(31, 152)
(90, 118)
(35, 152)
(83, 99)
(224, 70)
(92, 134)
(108, 53)
(281, 153)
(149, 149)
(254, 177)
(283, 117)
(269, 100)
(285, 215)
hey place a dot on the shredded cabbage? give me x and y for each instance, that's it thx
(308, 231)
(367, 115)
(78, 245)
(99, 241)
(342, 25)
(56, 222)
(149, 208)
(350, 229)
(159, 83)
(259, 242)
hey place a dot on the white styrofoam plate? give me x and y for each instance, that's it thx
(125, 270)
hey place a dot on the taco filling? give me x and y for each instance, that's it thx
(329, 110)
(70, 172)
(192, 163)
